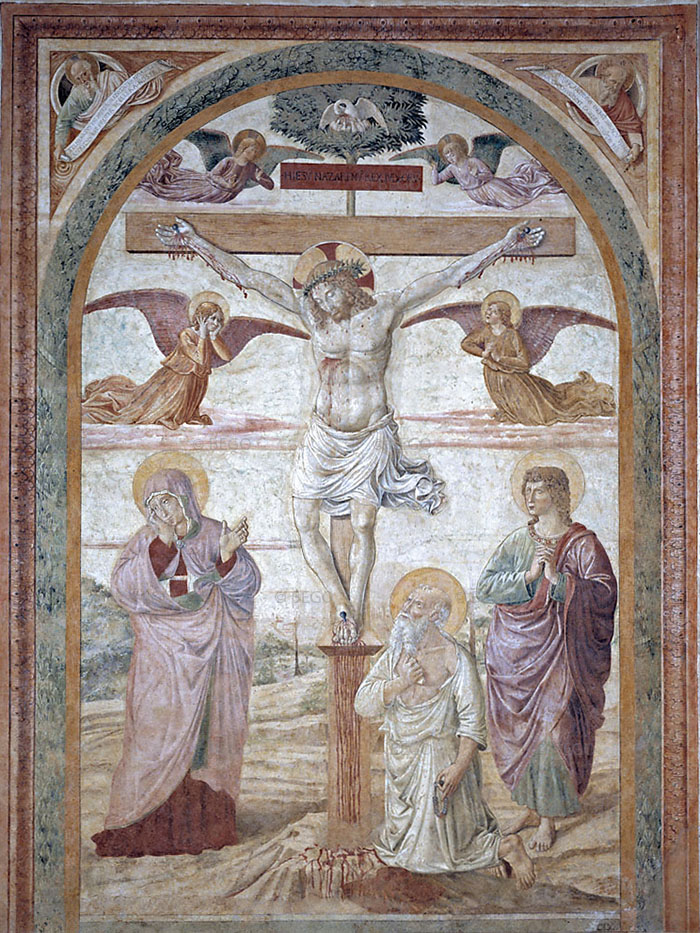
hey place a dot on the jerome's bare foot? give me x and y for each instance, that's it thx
(498, 871)
(521, 821)
(512, 851)
(545, 835)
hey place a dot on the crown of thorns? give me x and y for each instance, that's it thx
(354, 267)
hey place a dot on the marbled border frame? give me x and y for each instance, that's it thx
(29, 367)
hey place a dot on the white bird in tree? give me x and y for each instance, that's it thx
(346, 117)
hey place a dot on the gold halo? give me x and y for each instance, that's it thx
(640, 104)
(452, 138)
(549, 457)
(171, 460)
(257, 138)
(432, 576)
(315, 255)
(508, 298)
(214, 297)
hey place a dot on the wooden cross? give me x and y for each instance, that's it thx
(375, 236)
(349, 737)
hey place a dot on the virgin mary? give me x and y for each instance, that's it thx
(188, 585)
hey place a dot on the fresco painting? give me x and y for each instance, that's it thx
(351, 630)
(349, 455)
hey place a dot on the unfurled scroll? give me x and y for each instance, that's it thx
(585, 103)
(116, 100)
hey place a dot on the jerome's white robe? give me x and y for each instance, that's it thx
(420, 741)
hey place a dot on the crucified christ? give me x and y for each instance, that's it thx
(350, 462)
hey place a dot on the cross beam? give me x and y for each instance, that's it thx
(375, 236)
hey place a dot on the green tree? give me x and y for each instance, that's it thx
(106, 642)
(297, 114)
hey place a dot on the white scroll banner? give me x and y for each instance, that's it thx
(112, 105)
(585, 103)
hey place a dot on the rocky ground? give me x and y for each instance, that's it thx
(281, 821)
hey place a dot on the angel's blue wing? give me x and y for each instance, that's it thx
(489, 148)
(213, 146)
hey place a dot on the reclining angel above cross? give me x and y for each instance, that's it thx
(231, 165)
(473, 165)
(350, 461)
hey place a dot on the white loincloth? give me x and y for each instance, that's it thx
(366, 465)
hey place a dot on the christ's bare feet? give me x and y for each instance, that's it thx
(345, 630)
(512, 851)
(545, 835)
(524, 819)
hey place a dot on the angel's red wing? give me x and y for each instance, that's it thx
(241, 330)
(540, 325)
(165, 311)
(465, 313)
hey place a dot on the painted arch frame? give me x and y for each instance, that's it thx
(655, 445)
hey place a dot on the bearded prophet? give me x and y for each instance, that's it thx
(609, 87)
(547, 657)
(87, 94)
(188, 586)
(91, 87)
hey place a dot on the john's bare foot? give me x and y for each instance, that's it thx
(545, 835)
(524, 819)
(512, 851)
(498, 871)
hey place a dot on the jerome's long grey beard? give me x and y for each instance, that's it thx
(407, 633)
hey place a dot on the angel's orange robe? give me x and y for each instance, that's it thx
(170, 397)
(523, 398)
